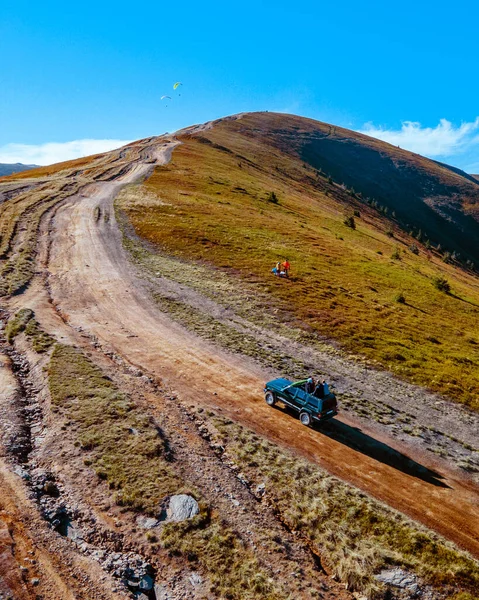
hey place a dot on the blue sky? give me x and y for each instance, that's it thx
(79, 77)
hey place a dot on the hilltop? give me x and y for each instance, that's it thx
(435, 201)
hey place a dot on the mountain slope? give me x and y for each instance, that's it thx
(371, 288)
(439, 200)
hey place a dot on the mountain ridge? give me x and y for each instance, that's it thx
(12, 168)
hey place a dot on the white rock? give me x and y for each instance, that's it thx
(399, 578)
(182, 507)
(161, 593)
(195, 579)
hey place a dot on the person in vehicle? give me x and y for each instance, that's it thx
(310, 385)
(319, 390)
(326, 390)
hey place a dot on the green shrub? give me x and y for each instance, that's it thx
(414, 249)
(350, 222)
(401, 298)
(442, 284)
(396, 254)
(273, 198)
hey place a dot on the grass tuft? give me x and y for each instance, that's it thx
(24, 321)
(17, 324)
(234, 571)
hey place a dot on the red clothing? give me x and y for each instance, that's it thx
(286, 265)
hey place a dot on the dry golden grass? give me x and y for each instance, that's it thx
(234, 570)
(125, 447)
(49, 170)
(355, 535)
(212, 206)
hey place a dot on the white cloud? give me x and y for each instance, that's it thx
(53, 152)
(444, 140)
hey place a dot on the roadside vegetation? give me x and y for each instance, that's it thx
(234, 570)
(127, 450)
(124, 447)
(24, 320)
(213, 207)
(355, 535)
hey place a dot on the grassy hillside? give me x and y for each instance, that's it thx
(35, 172)
(373, 288)
(435, 201)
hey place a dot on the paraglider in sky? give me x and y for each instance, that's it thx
(166, 98)
(177, 85)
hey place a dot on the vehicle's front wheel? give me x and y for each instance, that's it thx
(270, 398)
(305, 418)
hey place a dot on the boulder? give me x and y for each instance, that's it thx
(146, 583)
(400, 579)
(182, 507)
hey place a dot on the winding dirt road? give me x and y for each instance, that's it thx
(95, 288)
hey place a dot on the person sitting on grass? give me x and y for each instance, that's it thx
(277, 270)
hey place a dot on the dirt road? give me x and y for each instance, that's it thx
(95, 288)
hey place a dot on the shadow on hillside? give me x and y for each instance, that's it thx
(462, 299)
(416, 308)
(354, 438)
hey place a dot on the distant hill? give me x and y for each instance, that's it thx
(8, 169)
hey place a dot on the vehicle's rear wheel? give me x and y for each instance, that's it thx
(305, 418)
(270, 398)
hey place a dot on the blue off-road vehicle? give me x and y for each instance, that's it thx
(310, 407)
